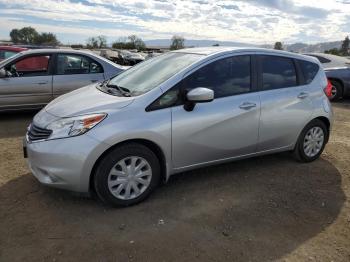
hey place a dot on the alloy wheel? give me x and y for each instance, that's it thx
(313, 141)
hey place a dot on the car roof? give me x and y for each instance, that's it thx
(39, 51)
(13, 48)
(335, 61)
(217, 50)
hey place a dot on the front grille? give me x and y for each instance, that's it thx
(36, 133)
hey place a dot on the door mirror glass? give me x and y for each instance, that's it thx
(200, 95)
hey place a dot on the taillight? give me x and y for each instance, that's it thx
(328, 89)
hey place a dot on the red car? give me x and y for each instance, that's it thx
(8, 51)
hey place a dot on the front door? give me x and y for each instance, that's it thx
(29, 83)
(224, 128)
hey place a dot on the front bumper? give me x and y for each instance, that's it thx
(64, 163)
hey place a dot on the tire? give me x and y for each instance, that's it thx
(115, 181)
(337, 91)
(301, 152)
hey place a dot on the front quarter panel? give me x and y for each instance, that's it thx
(133, 123)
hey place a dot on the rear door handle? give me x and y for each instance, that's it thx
(303, 95)
(247, 105)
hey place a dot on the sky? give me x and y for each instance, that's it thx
(247, 21)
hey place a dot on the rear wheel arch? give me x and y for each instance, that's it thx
(149, 144)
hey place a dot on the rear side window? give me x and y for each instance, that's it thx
(323, 60)
(71, 64)
(309, 70)
(277, 72)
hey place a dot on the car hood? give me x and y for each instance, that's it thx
(86, 100)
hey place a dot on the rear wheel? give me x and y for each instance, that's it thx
(127, 175)
(311, 142)
(336, 91)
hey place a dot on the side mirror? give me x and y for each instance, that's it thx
(198, 95)
(3, 73)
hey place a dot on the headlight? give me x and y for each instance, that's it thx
(74, 126)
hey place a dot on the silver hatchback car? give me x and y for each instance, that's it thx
(179, 111)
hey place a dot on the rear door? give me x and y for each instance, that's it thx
(30, 83)
(73, 71)
(285, 103)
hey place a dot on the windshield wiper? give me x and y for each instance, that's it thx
(124, 91)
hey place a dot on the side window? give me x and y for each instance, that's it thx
(8, 54)
(309, 70)
(30, 66)
(277, 72)
(227, 77)
(323, 60)
(70, 64)
(170, 98)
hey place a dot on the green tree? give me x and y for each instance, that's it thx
(96, 42)
(278, 46)
(177, 42)
(131, 42)
(26, 35)
(29, 36)
(333, 51)
(345, 47)
(48, 39)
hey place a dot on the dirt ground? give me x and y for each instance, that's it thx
(260, 209)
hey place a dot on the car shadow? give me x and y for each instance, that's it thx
(14, 124)
(259, 209)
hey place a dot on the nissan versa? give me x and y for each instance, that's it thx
(179, 111)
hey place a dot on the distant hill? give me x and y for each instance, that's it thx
(297, 47)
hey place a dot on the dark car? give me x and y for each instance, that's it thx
(8, 51)
(338, 72)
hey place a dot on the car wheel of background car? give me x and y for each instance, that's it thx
(127, 175)
(311, 142)
(337, 91)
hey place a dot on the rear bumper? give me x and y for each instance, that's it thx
(64, 163)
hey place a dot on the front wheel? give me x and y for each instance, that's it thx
(311, 142)
(127, 175)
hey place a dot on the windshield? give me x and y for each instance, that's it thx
(149, 74)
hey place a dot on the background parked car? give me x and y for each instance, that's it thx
(338, 72)
(34, 77)
(131, 58)
(8, 51)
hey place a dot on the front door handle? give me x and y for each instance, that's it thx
(247, 105)
(94, 81)
(303, 95)
(42, 83)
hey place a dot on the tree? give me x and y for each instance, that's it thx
(345, 47)
(131, 42)
(177, 42)
(26, 35)
(29, 36)
(333, 51)
(48, 39)
(278, 46)
(96, 42)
